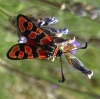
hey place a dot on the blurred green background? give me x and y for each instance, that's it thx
(38, 79)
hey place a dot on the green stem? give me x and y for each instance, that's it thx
(5, 12)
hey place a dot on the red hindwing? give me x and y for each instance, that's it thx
(31, 31)
(25, 51)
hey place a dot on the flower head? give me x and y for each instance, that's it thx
(22, 39)
(75, 44)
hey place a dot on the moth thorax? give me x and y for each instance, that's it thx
(59, 53)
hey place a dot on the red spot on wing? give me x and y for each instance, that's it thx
(22, 20)
(30, 56)
(38, 31)
(46, 40)
(28, 50)
(32, 35)
(30, 26)
(55, 52)
(21, 55)
(41, 53)
(13, 51)
(30, 42)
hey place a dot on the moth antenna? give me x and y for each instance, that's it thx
(84, 47)
(63, 78)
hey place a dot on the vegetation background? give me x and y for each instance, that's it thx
(38, 79)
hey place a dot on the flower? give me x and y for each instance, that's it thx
(75, 44)
(22, 39)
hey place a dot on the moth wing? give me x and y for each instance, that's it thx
(25, 51)
(31, 31)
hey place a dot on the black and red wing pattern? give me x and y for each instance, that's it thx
(36, 40)
(25, 51)
(31, 31)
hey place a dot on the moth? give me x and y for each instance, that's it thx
(44, 43)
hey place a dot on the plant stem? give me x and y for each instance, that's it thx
(5, 12)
